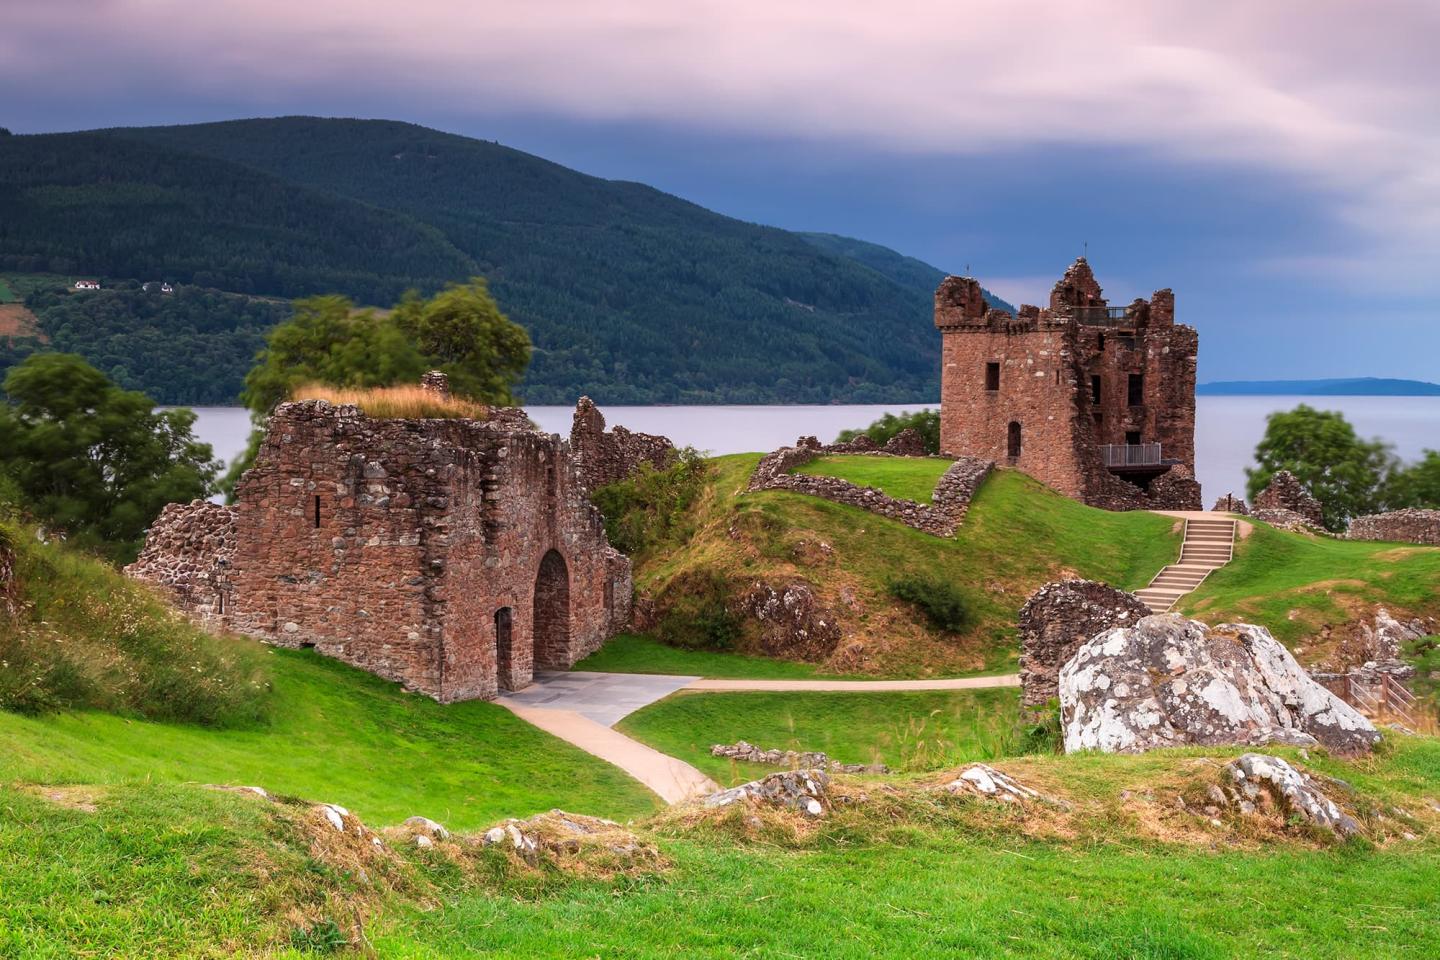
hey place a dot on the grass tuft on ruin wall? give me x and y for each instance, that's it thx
(406, 402)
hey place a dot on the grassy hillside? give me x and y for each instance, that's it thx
(1017, 536)
(1313, 592)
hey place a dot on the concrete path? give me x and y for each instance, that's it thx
(852, 686)
(602, 697)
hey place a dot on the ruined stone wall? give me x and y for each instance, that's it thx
(1057, 620)
(1398, 526)
(607, 457)
(394, 544)
(1285, 503)
(188, 552)
(950, 500)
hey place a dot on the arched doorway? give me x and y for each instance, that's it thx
(505, 648)
(552, 613)
(1012, 445)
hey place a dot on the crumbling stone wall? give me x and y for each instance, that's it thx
(607, 457)
(1043, 390)
(1231, 504)
(950, 500)
(453, 556)
(1057, 620)
(188, 550)
(1398, 526)
(1284, 495)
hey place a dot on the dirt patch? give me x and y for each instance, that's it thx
(16, 320)
(84, 798)
(1325, 586)
(1399, 553)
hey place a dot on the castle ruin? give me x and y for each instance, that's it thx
(1096, 401)
(454, 556)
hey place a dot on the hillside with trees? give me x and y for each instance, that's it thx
(628, 293)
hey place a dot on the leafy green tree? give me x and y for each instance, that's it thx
(1322, 450)
(1414, 485)
(462, 331)
(926, 422)
(92, 460)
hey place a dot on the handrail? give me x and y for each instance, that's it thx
(1131, 454)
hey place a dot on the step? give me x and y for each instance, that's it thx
(1208, 538)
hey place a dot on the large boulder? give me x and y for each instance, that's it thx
(1057, 619)
(1168, 682)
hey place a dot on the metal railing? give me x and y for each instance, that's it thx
(1131, 454)
(1102, 316)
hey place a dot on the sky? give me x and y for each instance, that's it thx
(1276, 163)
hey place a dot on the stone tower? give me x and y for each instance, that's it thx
(1093, 400)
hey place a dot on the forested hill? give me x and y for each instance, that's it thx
(630, 294)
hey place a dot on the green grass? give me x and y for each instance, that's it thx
(337, 734)
(923, 730)
(1296, 585)
(638, 653)
(905, 478)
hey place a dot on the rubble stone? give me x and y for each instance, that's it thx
(749, 753)
(1168, 681)
(1056, 620)
(985, 781)
(804, 790)
(1398, 526)
(1259, 783)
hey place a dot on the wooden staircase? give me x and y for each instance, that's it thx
(1209, 544)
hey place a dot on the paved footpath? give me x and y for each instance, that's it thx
(582, 707)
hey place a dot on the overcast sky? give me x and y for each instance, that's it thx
(1276, 163)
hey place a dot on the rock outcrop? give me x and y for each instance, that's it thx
(1286, 504)
(807, 791)
(1057, 619)
(793, 621)
(1256, 783)
(1168, 682)
(1398, 526)
(981, 780)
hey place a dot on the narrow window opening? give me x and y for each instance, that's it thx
(992, 376)
(1012, 449)
(1095, 389)
(317, 513)
(220, 601)
(1102, 341)
(1137, 389)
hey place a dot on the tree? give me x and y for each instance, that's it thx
(1322, 450)
(925, 422)
(1414, 485)
(92, 460)
(462, 331)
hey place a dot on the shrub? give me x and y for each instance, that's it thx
(924, 422)
(945, 606)
(653, 506)
(695, 613)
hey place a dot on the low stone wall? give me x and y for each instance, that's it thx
(950, 500)
(1398, 526)
(606, 457)
(188, 550)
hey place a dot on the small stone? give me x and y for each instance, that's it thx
(426, 827)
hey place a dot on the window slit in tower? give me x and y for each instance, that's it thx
(317, 512)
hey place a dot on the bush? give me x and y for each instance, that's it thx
(695, 613)
(924, 422)
(653, 506)
(945, 606)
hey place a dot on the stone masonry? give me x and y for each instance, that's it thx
(1057, 620)
(605, 457)
(453, 556)
(1398, 526)
(1097, 402)
(1286, 504)
(948, 505)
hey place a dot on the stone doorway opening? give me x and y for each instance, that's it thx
(505, 649)
(1012, 445)
(552, 613)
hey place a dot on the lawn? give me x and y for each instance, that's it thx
(905, 478)
(638, 653)
(1297, 585)
(923, 730)
(339, 735)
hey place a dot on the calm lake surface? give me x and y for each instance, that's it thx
(1226, 428)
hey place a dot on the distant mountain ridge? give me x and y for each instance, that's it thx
(630, 294)
(1343, 387)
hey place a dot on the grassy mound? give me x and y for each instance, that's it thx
(905, 478)
(341, 735)
(75, 633)
(1314, 592)
(1018, 535)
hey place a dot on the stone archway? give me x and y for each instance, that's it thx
(552, 613)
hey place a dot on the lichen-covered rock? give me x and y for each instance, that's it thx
(804, 790)
(1057, 619)
(749, 753)
(793, 621)
(985, 781)
(1168, 681)
(1259, 783)
(1387, 637)
(565, 835)
(425, 827)
(1284, 492)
